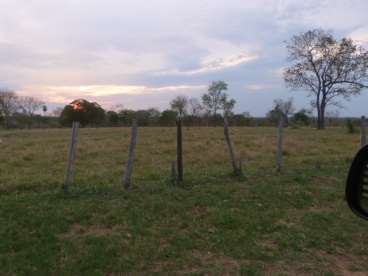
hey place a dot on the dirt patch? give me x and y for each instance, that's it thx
(79, 231)
(336, 264)
(325, 180)
(346, 265)
(213, 262)
(268, 245)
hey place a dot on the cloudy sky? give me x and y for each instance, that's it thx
(142, 53)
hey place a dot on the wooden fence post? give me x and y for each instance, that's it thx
(230, 146)
(70, 171)
(173, 173)
(179, 150)
(280, 144)
(130, 164)
(363, 139)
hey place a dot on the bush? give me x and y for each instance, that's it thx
(350, 126)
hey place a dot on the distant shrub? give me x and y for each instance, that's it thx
(350, 126)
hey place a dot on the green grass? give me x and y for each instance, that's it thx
(290, 223)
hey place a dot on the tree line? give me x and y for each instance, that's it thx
(18, 110)
(327, 68)
(209, 110)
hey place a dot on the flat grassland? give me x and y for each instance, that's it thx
(267, 223)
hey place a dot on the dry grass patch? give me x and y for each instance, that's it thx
(77, 231)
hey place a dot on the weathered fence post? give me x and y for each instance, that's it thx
(280, 144)
(230, 146)
(173, 173)
(363, 139)
(179, 150)
(70, 171)
(129, 166)
(240, 167)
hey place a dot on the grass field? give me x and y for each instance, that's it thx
(290, 223)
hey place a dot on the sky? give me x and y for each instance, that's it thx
(143, 53)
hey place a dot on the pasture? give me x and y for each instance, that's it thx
(266, 223)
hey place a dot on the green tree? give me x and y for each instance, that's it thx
(180, 105)
(112, 117)
(84, 112)
(214, 100)
(168, 117)
(303, 117)
(281, 108)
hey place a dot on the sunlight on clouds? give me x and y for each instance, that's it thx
(221, 55)
(360, 36)
(99, 90)
(213, 65)
(66, 94)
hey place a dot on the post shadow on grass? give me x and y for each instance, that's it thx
(131, 157)
(70, 171)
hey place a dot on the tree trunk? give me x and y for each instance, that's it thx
(286, 120)
(131, 157)
(322, 115)
(318, 105)
(6, 121)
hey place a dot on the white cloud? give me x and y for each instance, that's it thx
(220, 55)
(257, 87)
(360, 35)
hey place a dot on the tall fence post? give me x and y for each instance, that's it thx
(231, 147)
(363, 139)
(130, 164)
(279, 152)
(70, 171)
(179, 150)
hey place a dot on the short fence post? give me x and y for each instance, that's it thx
(280, 144)
(130, 164)
(70, 171)
(363, 139)
(179, 150)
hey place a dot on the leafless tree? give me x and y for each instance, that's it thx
(8, 105)
(195, 107)
(29, 105)
(180, 105)
(326, 67)
(57, 112)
